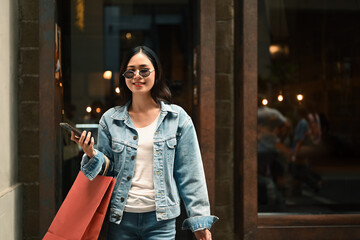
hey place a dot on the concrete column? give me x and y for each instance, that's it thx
(10, 190)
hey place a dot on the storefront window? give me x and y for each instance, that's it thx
(309, 106)
(94, 37)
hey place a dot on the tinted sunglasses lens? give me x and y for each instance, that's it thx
(144, 72)
(129, 74)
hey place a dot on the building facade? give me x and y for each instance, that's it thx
(223, 60)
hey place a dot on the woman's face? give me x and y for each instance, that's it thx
(139, 84)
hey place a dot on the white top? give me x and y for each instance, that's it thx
(141, 196)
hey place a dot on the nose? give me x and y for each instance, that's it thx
(137, 73)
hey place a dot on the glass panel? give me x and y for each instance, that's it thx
(309, 106)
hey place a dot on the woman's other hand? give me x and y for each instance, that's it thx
(203, 234)
(84, 141)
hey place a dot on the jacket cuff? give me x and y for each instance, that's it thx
(92, 166)
(199, 222)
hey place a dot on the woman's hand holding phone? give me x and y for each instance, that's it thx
(86, 142)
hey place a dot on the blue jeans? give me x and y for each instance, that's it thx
(142, 226)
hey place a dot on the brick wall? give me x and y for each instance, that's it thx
(224, 206)
(29, 116)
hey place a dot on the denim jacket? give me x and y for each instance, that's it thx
(178, 169)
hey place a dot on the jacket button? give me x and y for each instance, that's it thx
(128, 178)
(122, 199)
(135, 137)
(132, 157)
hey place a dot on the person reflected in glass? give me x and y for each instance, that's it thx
(154, 155)
(272, 129)
(307, 136)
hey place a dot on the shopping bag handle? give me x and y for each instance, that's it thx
(107, 163)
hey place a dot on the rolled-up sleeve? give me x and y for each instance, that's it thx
(91, 167)
(199, 223)
(190, 179)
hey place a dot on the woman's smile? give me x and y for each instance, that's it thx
(139, 84)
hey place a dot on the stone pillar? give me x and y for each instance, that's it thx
(224, 206)
(28, 134)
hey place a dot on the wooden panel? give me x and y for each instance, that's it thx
(309, 233)
(245, 87)
(309, 220)
(207, 93)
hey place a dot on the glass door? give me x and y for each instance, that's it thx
(95, 36)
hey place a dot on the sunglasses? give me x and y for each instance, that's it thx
(143, 73)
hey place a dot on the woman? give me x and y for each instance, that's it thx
(154, 155)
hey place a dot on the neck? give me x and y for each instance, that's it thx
(141, 103)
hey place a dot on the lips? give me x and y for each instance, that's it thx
(138, 83)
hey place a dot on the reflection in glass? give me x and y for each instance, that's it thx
(308, 130)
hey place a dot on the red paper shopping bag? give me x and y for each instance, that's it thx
(82, 213)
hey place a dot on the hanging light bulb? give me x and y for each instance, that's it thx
(128, 36)
(275, 49)
(88, 109)
(265, 102)
(107, 75)
(280, 98)
(117, 90)
(300, 97)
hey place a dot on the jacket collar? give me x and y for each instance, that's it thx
(122, 113)
(167, 108)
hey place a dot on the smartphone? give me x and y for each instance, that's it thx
(70, 128)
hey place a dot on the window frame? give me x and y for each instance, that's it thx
(249, 224)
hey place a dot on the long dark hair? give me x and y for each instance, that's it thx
(160, 90)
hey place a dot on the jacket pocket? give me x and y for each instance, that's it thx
(170, 151)
(118, 150)
(117, 147)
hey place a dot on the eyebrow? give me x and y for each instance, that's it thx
(142, 65)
